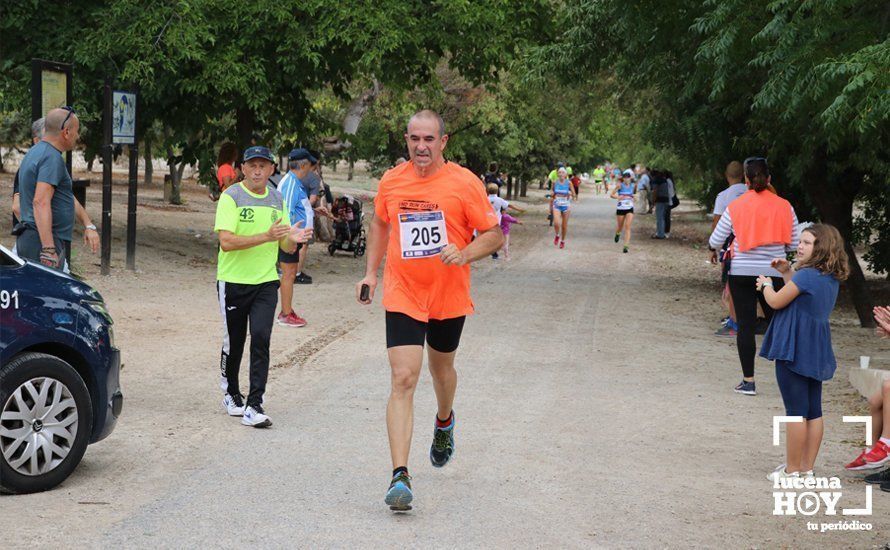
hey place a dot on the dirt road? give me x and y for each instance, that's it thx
(594, 409)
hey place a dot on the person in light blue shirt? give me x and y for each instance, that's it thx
(313, 187)
(300, 211)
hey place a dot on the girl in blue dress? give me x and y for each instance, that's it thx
(799, 339)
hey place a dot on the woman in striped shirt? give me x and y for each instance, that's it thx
(764, 226)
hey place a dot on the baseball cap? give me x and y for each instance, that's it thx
(259, 152)
(300, 154)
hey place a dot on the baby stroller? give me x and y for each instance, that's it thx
(349, 234)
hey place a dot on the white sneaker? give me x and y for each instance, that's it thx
(780, 473)
(233, 404)
(253, 416)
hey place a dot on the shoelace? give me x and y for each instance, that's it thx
(403, 477)
(238, 401)
(442, 439)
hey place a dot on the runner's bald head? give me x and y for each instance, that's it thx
(427, 114)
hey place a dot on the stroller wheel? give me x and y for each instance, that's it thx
(359, 251)
(331, 249)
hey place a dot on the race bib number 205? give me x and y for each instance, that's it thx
(423, 234)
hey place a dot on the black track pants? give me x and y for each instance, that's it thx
(244, 306)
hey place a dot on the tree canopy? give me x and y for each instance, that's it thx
(803, 83)
(203, 65)
(685, 84)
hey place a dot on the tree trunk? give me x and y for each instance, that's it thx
(176, 181)
(351, 172)
(523, 187)
(2, 167)
(149, 169)
(358, 107)
(245, 120)
(175, 176)
(834, 202)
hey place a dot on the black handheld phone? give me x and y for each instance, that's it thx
(365, 293)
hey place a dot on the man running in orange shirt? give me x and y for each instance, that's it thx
(425, 213)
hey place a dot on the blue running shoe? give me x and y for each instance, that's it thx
(443, 444)
(399, 495)
(746, 388)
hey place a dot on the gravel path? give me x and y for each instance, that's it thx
(594, 409)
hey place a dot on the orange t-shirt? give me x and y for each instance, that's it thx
(223, 171)
(423, 287)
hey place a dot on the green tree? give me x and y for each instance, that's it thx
(803, 83)
(202, 65)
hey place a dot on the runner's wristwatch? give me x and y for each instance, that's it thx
(91, 226)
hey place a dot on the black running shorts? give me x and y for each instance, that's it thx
(624, 212)
(285, 258)
(442, 335)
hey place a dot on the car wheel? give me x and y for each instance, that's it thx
(45, 422)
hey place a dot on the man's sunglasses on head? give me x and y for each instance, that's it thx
(754, 159)
(70, 112)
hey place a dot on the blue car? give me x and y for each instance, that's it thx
(59, 374)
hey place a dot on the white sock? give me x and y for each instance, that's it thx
(886, 440)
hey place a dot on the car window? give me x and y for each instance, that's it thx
(7, 259)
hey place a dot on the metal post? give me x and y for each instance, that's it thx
(131, 209)
(106, 181)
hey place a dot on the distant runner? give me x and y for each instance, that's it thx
(560, 205)
(624, 192)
